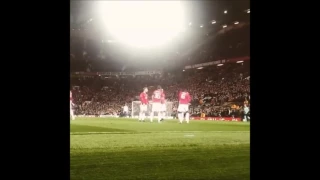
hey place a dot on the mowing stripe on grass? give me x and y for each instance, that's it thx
(76, 133)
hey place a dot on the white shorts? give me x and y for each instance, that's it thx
(156, 107)
(163, 107)
(143, 107)
(183, 108)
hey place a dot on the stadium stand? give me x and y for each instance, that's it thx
(216, 90)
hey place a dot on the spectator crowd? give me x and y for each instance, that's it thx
(216, 91)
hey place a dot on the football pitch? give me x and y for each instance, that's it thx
(125, 149)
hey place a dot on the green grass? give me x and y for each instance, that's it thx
(115, 148)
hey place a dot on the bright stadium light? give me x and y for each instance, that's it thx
(142, 23)
(239, 61)
(220, 65)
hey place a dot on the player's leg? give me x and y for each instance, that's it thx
(180, 113)
(159, 116)
(71, 112)
(72, 115)
(245, 117)
(140, 116)
(187, 116)
(180, 116)
(152, 112)
(143, 115)
(151, 116)
(164, 111)
(140, 112)
(155, 109)
(163, 114)
(144, 110)
(158, 109)
(186, 108)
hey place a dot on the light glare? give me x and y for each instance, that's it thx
(142, 23)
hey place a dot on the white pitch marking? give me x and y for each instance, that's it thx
(189, 135)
